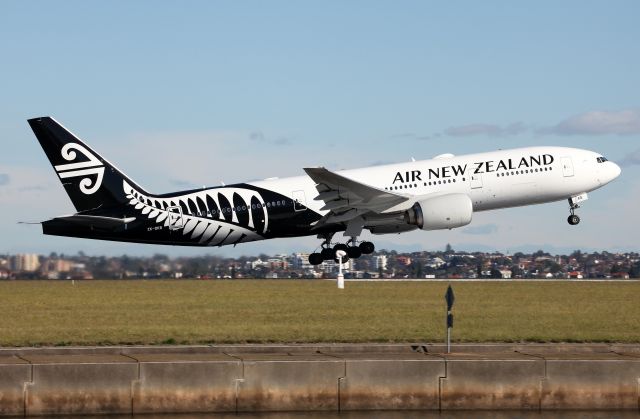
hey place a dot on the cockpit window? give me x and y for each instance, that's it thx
(601, 159)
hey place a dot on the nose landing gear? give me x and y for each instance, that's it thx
(573, 218)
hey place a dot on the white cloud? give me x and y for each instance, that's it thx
(631, 159)
(625, 122)
(481, 229)
(485, 129)
(260, 137)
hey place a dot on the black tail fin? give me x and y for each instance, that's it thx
(91, 181)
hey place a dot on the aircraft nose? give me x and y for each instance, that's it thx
(615, 170)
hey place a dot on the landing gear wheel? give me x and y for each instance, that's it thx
(354, 252)
(573, 219)
(367, 248)
(340, 246)
(315, 259)
(327, 253)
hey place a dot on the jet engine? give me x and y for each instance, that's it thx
(441, 212)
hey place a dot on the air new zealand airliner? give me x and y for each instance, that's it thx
(439, 193)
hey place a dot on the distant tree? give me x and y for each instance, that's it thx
(516, 271)
(634, 271)
(540, 253)
(448, 249)
(555, 268)
(417, 269)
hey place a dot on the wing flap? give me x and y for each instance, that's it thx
(342, 195)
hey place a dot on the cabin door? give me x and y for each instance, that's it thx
(567, 167)
(299, 202)
(476, 181)
(176, 221)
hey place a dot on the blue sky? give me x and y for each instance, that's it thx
(192, 93)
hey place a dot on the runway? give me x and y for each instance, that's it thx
(317, 377)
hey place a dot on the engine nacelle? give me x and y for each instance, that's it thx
(441, 212)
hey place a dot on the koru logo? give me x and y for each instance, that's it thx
(93, 166)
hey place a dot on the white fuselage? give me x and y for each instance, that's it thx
(498, 179)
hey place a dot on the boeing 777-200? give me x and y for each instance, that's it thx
(440, 193)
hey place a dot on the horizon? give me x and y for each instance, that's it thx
(453, 250)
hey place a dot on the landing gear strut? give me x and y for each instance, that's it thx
(351, 248)
(573, 218)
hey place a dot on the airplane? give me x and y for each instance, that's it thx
(435, 194)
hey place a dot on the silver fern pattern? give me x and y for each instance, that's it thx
(214, 217)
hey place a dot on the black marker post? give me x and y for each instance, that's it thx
(450, 298)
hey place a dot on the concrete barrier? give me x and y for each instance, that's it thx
(391, 381)
(576, 381)
(283, 382)
(14, 373)
(80, 384)
(491, 382)
(170, 383)
(65, 381)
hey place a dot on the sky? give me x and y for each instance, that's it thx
(184, 94)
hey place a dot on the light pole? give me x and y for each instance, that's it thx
(340, 254)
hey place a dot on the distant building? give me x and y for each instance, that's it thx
(404, 260)
(505, 273)
(380, 262)
(434, 263)
(301, 261)
(26, 262)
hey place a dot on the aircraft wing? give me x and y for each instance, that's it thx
(346, 199)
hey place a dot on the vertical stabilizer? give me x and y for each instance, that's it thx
(90, 181)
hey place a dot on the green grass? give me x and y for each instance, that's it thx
(156, 312)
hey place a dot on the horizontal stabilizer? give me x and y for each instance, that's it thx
(95, 221)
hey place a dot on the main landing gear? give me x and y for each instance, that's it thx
(352, 251)
(573, 218)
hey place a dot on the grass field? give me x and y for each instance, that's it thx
(154, 312)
